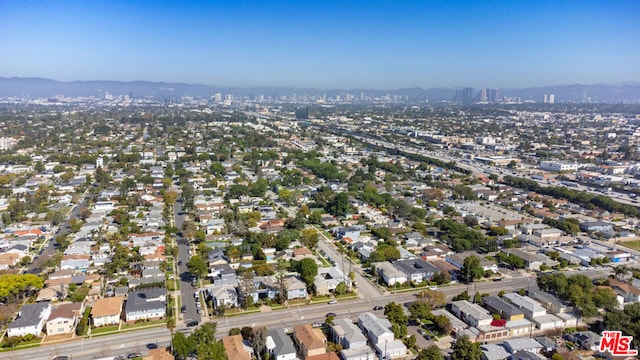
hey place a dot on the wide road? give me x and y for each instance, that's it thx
(96, 347)
(135, 341)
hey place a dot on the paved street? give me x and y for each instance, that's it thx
(186, 289)
(122, 344)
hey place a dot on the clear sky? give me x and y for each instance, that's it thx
(324, 44)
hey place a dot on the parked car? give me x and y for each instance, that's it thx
(183, 309)
(378, 307)
(421, 332)
(332, 314)
(317, 324)
(192, 323)
(433, 288)
(152, 346)
(134, 355)
(61, 357)
(334, 301)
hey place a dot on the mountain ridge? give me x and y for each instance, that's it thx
(34, 87)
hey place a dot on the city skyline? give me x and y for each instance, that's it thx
(324, 45)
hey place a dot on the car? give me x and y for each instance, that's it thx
(332, 314)
(134, 355)
(497, 279)
(433, 288)
(317, 324)
(427, 337)
(183, 309)
(334, 301)
(152, 346)
(61, 357)
(421, 332)
(192, 323)
(198, 311)
(179, 262)
(378, 307)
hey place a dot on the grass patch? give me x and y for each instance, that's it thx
(346, 296)
(144, 323)
(173, 285)
(321, 298)
(633, 244)
(104, 329)
(20, 347)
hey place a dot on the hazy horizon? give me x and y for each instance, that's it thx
(325, 45)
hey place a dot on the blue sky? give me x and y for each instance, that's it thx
(324, 44)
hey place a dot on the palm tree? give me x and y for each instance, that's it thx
(171, 325)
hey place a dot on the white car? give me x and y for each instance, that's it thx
(433, 288)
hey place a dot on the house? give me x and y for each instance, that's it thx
(30, 320)
(223, 274)
(549, 302)
(280, 345)
(628, 292)
(361, 353)
(530, 307)
(146, 304)
(159, 354)
(457, 325)
(457, 260)
(596, 226)
(377, 330)
(347, 334)
(587, 340)
(531, 261)
(494, 352)
(328, 279)
(64, 318)
(389, 274)
(236, 349)
(296, 288)
(416, 270)
(500, 307)
(325, 356)
(51, 294)
(522, 344)
(107, 311)
(310, 341)
(223, 295)
(473, 314)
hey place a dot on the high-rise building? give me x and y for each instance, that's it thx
(302, 114)
(464, 96)
(483, 95)
(493, 95)
(545, 99)
(552, 98)
(6, 143)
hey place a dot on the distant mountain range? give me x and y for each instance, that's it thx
(39, 87)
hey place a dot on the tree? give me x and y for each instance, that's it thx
(197, 266)
(435, 298)
(464, 349)
(420, 310)
(339, 206)
(341, 288)
(285, 238)
(247, 286)
(180, 345)
(170, 197)
(430, 353)
(471, 269)
(18, 286)
(308, 269)
(309, 237)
